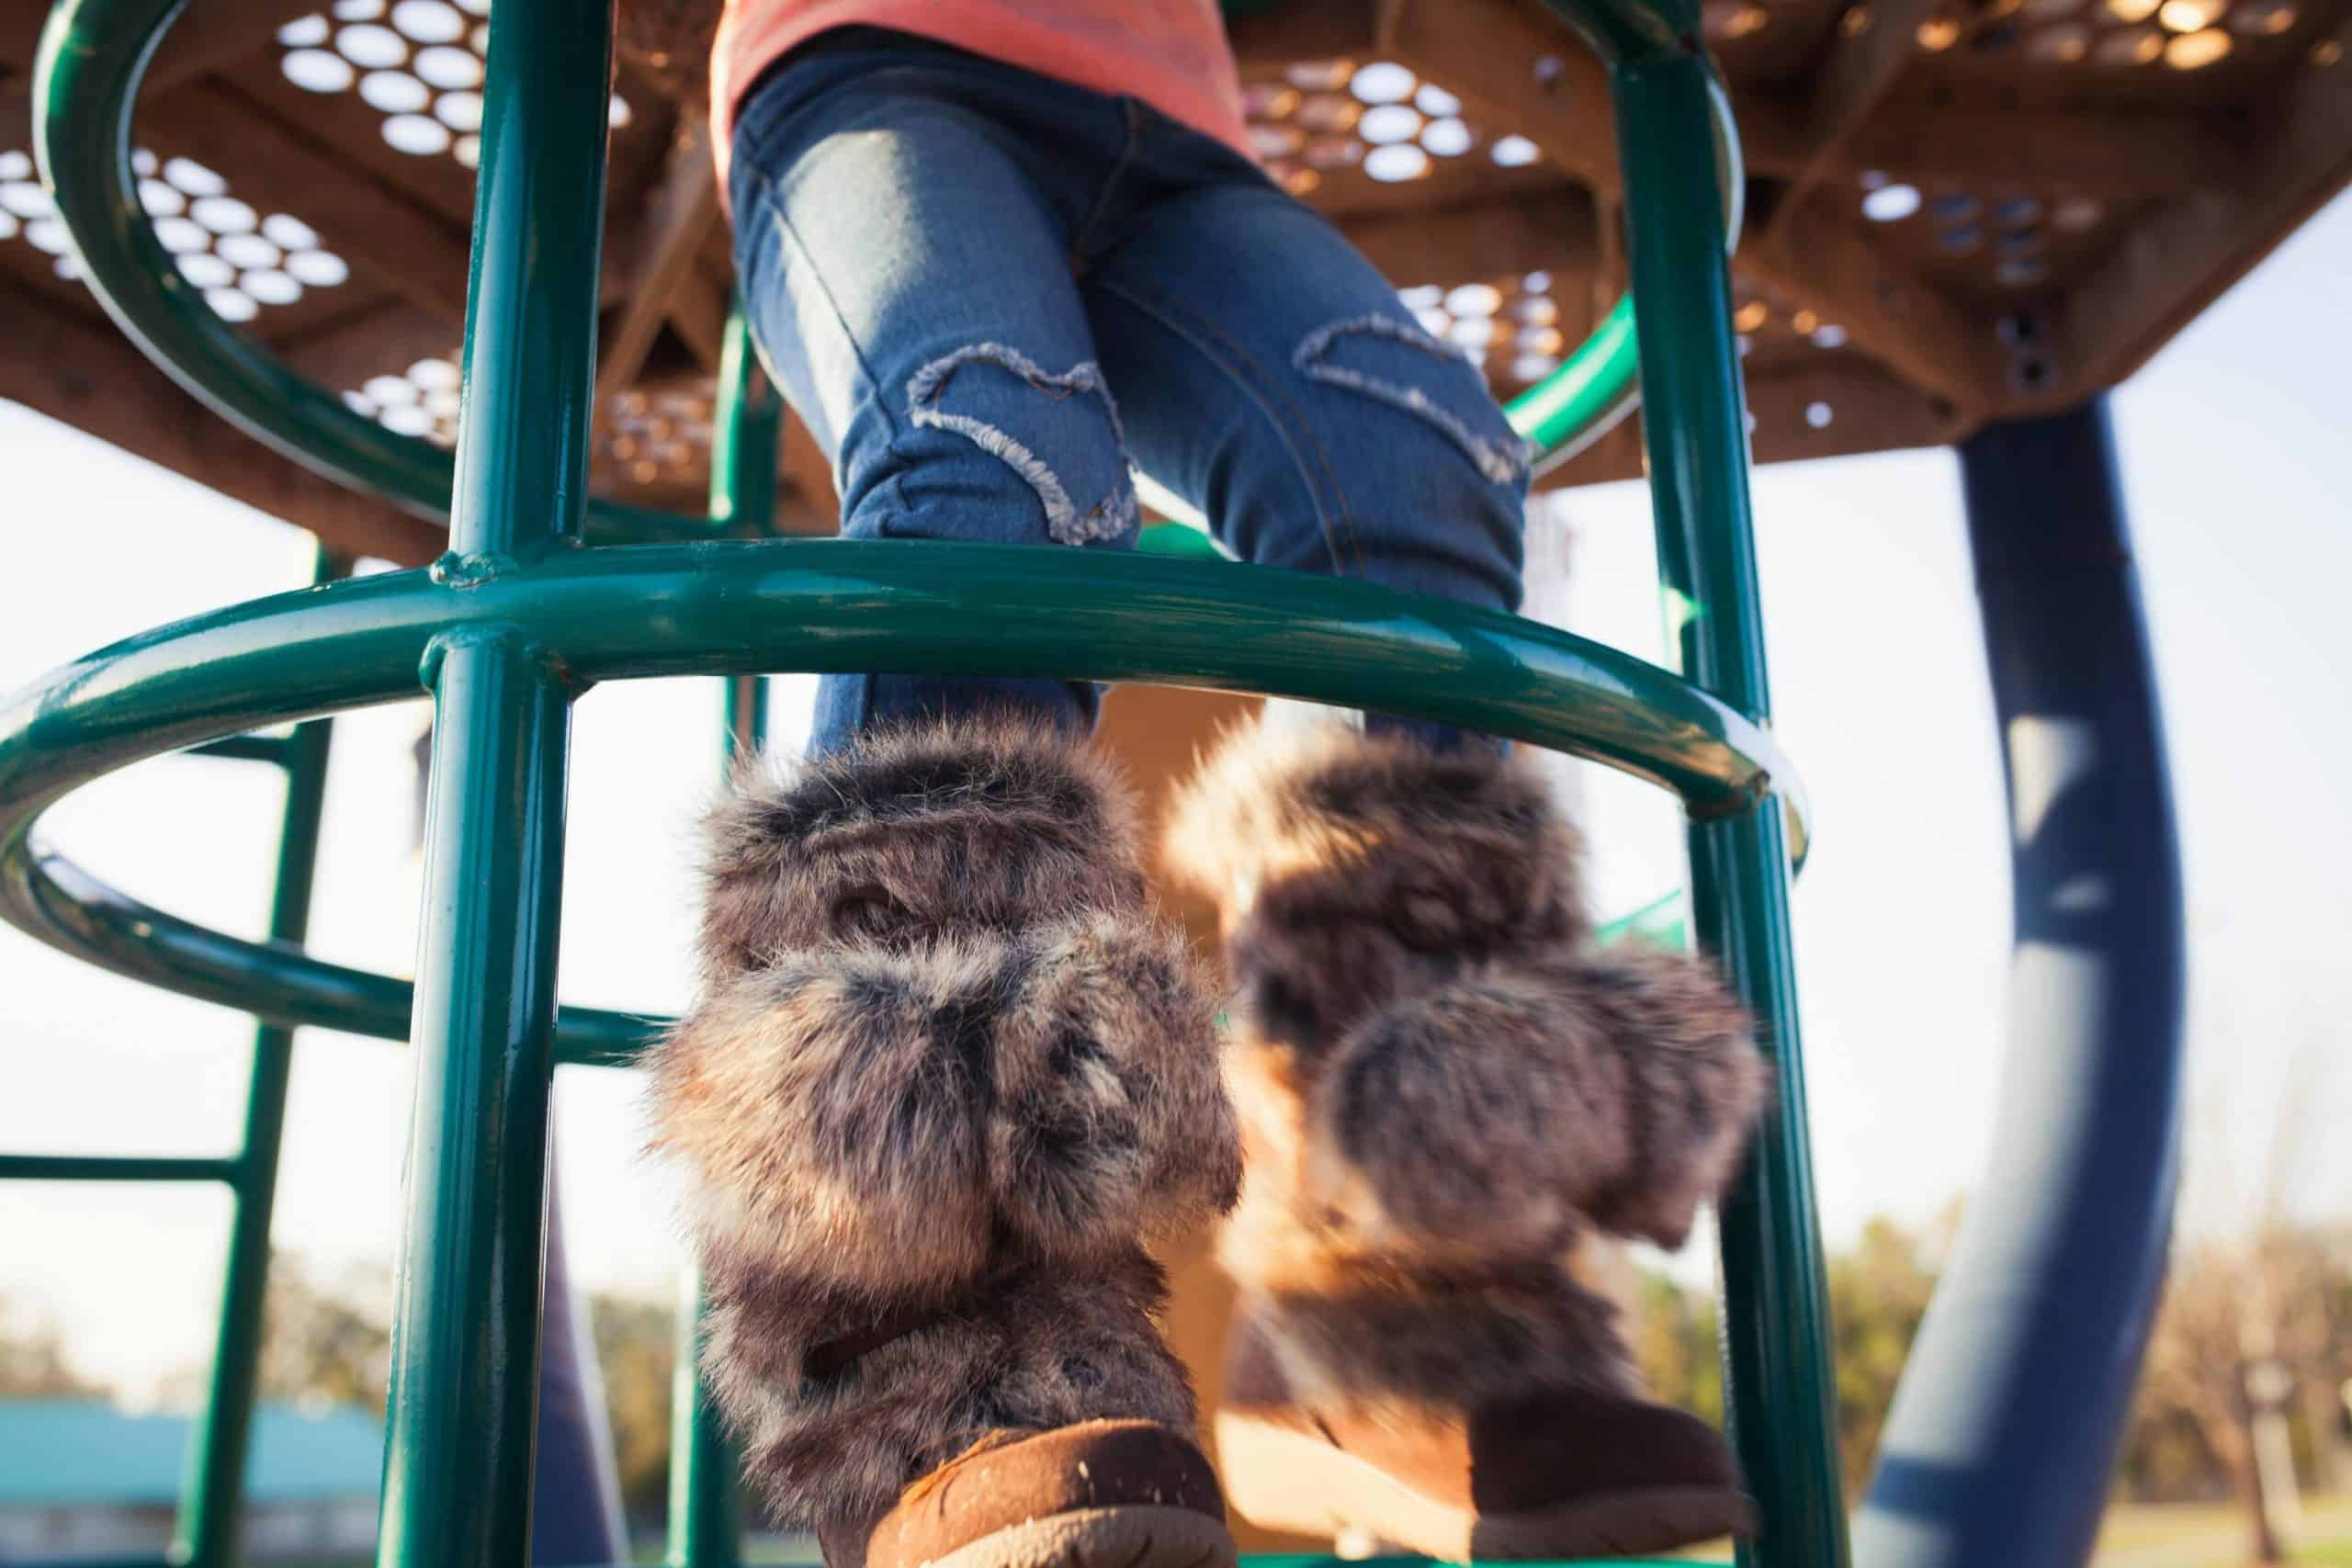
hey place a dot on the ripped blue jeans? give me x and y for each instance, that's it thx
(988, 293)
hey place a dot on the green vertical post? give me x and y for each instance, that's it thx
(1782, 1396)
(705, 1514)
(210, 1490)
(466, 1311)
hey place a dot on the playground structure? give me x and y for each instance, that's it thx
(2105, 211)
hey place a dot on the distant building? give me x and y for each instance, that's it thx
(79, 1478)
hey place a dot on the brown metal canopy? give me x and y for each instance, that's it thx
(1959, 209)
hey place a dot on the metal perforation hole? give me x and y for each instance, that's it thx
(2129, 46)
(317, 71)
(448, 68)
(232, 304)
(429, 21)
(2194, 52)
(161, 200)
(394, 92)
(1320, 75)
(1817, 414)
(304, 32)
(2063, 44)
(1385, 123)
(22, 198)
(270, 286)
(1514, 151)
(289, 233)
(318, 269)
(407, 419)
(224, 215)
(371, 47)
(1435, 101)
(182, 236)
(1891, 202)
(1726, 20)
(468, 151)
(48, 234)
(1383, 81)
(1276, 141)
(1329, 153)
(417, 135)
(1447, 138)
(1326, 113)
(459, 111)
(194, 179)
(250, 252)
(1398, 162)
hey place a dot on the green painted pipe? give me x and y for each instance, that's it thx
(205, 1535)
(461, 1404)
(1780, 1388)
(798, 605)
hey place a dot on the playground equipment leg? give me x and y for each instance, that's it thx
(206, 1536)
(466, 1314)
(1782, 1400)
(2002, 1439)
(706, 1514)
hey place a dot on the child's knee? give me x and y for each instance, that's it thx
(1055, 433)
(1386, 360)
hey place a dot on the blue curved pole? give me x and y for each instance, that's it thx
(2004, 1433)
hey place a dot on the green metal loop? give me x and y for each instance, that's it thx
(93, 54)
(824, 605)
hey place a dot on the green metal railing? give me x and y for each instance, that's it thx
(517, 619)
(205, 1533)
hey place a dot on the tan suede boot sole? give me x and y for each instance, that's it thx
(1281, 1478)
(1133, 1535)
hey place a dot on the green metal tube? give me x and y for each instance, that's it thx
(705, 1509)
(275, 749)
(1782, 1401)
(796, 604)
(466, 1322)
(746, 427)
(705, 1513)
(116, 1168)
(466, 1306)
(206, 1534)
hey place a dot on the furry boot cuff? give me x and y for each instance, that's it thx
(947, 1076)
(1436, 1068)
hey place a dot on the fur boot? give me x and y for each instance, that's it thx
(1443, 1087)
(947, 1080)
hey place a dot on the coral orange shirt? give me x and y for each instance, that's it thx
(1173, 54)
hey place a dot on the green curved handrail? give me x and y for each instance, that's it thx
(92, 55)
(740, 606)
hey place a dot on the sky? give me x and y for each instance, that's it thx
(2237, 456)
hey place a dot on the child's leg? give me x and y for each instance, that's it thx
(1269, 376)
(910, 283)
(1442, 1085)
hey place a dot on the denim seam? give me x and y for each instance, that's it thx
(1129, 145)
(772, 201)
(1497, 463)
(1279, 412)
